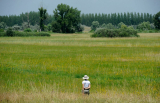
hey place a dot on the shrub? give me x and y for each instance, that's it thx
(79, 28)
(49, 27)
(110, 26)
(103, 32)
(123, 27)
(10, 32)
(151, 31)
(27, 34)
(1, 30)
(95, 25)
(45, 28)
(144, 26)
(34, 28)
(2, 34)
(128, 33)
(25, 25)
(152, 26)
(24, 34)
(130, 27)
(43, 34)
(103, 25)
(120, 24)
(28, 30)
(3, 25)
(16, 27)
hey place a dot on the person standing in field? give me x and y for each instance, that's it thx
(86, 85)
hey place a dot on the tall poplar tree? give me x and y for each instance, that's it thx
(42, 17)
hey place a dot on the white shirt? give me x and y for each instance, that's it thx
(86, 83)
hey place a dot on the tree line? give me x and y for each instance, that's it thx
(86, 19)
(116, 18)
(66, 19)
(33, 18)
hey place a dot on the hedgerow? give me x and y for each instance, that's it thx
(24, 34)
(28, 30)
(123, 32)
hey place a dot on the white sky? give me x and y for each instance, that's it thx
(16, 7)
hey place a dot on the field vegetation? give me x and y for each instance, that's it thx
(124, 31)
(27, 32)
(50, 69)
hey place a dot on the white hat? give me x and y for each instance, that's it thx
(85, 77)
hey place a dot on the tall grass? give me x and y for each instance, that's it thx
(46, 69)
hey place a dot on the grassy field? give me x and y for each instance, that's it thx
(50, 69)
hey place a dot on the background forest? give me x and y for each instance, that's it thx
(32, 16)
(86, 19)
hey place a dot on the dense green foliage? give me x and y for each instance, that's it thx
(3, 25)
(3, 34)
(79, 28)
(67, 17)
(108, 26)
(157, 20)
(56, 27)
(11, 33)
(34, 19)
(26, 34)
(86, 19)
(120, 24)
(49, 27)
(95, 25)
(122, 32)
(1, 30)
(144, 26)
(116, 18)
(16, 27)
(42, 17)
(28, 30)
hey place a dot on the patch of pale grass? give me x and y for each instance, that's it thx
(58, 97)
(87, 29)
(153, 56)
(149, 34)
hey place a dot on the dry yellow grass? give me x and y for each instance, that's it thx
(149, 34)
(87, 29)
(57, 97)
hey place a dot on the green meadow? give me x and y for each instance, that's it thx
(50, 69)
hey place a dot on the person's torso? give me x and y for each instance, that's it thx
(86, 83)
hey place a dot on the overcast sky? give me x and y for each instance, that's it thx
(16, 7)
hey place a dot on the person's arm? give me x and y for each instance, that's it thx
(82, 86)
(89, 86)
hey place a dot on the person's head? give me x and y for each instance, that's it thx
(85, 77)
